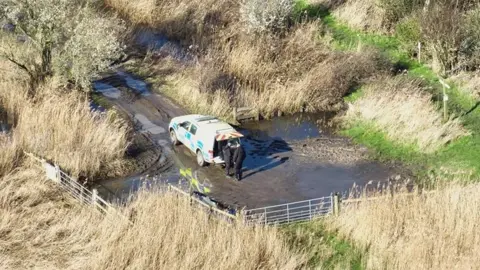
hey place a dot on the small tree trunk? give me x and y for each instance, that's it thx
(46, 61)
(42, 72)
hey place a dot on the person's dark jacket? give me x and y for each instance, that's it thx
(239, 156)
(227, 154)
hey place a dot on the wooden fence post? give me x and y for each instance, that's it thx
(310, 208)
(288, 214)
(265, 216)
(59, 175)
(94, 197)
(419, 52)
(336, 204)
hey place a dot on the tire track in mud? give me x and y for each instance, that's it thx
(130, 97)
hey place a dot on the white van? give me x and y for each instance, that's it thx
(203, 135)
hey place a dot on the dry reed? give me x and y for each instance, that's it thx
(405, 112)
(469, 83)
(361, 14)
(60, 127)
(63, 129)
(432, 231)
(139, 11)
(169, 234)
(11, 154)
(43, 229)
(270, 72)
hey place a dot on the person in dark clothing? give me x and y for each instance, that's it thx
(227, 157)
(238, 159)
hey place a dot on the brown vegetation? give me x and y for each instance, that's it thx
(288, 71)
(41, 228)
(403, 109)
(362, 14)
(60, 126)
(432, 231)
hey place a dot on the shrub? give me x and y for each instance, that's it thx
(362, 14)
(263, 15)
(470, 45)
(408, 33)
(58, 37)
(396, 10)
(447, 27)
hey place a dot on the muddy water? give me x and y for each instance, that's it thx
(277, 169)
(299, 126)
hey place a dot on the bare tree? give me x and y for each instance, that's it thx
(58, 37)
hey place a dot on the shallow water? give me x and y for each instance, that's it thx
(295, 127)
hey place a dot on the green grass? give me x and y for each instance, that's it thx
(385, 149)
(324, 249)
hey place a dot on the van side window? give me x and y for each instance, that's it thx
(186, 125)
(193, 129)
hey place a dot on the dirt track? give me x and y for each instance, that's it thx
(275, 171)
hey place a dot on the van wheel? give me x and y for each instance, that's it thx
(201, 162)
(173, 137)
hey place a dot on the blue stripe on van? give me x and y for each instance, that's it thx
(200, 145)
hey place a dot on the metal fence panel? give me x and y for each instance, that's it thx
(290, 212)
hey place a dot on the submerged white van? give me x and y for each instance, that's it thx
(203, 135)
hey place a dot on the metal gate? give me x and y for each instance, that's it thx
(290, 212)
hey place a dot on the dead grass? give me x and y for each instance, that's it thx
(62, 129)
(42, 229)
(11, 154)
(139, 11)
(434, 231)
(290, 72)
(60, 126)
(361, 14)
(185, 88)
(185, 238)
(469, 82)
(405, 112)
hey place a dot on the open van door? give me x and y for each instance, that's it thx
(221, 140)
(228, 136)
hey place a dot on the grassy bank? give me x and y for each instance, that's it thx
(457, 156)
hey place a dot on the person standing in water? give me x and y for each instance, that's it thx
(238, 159)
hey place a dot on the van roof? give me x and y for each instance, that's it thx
(212, 124)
